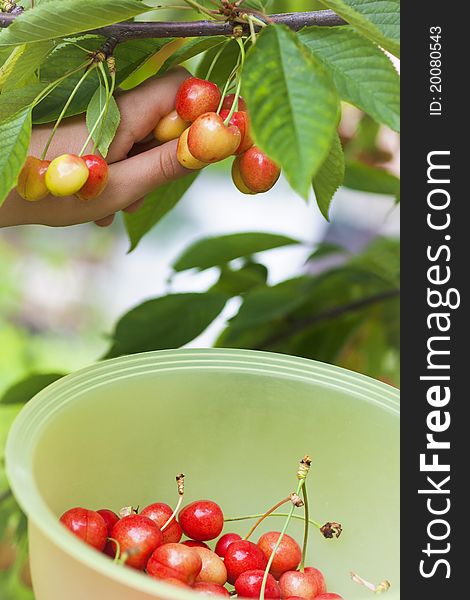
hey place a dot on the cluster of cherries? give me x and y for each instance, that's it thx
(210, 129)
(150, 541)
(67, 175)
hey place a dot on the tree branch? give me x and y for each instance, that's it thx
(300, 324)
(160, 29)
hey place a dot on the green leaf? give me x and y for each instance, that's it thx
(167, 322)
(329, 177)
(239, 281)
(293, 104)
(326, 249)
(217, 251)
(22, 64)
(364, 178)
(24, 390)
(157, 204)
(15, 134)
(108, 126)
(61, 18)
(378, 20)
(363, 74)
(225, 63)
(13, 101)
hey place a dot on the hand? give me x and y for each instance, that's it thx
(137, 164)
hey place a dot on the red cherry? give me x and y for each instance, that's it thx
(88, 525)
(288, 555)
(202, 520)
(213, 569)
(259, 173)
(243, 556)
(97, 179)
(160, 513)
(329, 596)
(175, 561)
(241, 120)
(224, 542)
(210, 140)
(228, 103)
(196, 97)
(110, 518)
(194, 544)
(295, 583)
(210, 589)
(248, 585)
(294, 598)
(177, 583)
(138, 537)
(318, 577)
(32, 179)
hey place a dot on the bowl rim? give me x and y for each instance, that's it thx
(31, 420)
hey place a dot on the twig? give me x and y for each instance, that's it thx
(296, 326)
(160, 29)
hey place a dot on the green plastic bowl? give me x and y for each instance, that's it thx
(236, 423)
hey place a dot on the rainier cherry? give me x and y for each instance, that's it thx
(185, 158)
(228, 103)
(295, 583)
(258, 172)
(196, 97)
(241, 120)
(97, 178)
(288, 554)
(202, 520)
(138, 537)
(175, 561)
(224, 542)
(170, 127)
(195, 544)
(210, 140)
(160, 513)
(329, 596)
(88, 525)
(210, 589)
(318, 577)
(243, 556)
(213, 569)
(66, 175)
(31, 180)
(248, 585)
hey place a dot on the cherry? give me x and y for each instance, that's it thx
(202, 520)
(228, 103)
(258, 172)
(88, 525)
(170, 127)
(31, 180)
(319, 578)
(175, 561)
(195, 544)
(287, 556)
(210, 141)
(97, 179)
(329, 596)
(238, 180)
(295, 583)
(241, 120)
(224, 542)
(138, 537)
(110, 518)
(66, 175)
(243, 556)
(177, 583)
(196, 97)
(210, 589)
(213, 569)
(248, 585)
(160, 513)
(185, 158)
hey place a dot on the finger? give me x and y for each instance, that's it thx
(106, 222)
(143, 107)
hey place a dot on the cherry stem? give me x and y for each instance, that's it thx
(100, 119)
(266, 514)
(51, 87)
(180, 484)
(204, 11)
(247, 517)
(278, 543)
(216, 58)
(64, 110)
(306, 526)
(107, 100)
(239, 82)
(118, 549)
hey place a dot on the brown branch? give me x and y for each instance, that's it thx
(296, 326)
(161, 29)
